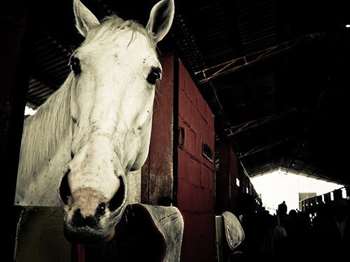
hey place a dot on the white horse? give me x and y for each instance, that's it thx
(80, 146)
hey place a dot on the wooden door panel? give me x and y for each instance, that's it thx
(195, 187)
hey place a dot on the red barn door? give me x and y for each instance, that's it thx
(195, 177)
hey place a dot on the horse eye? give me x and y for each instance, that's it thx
(154, 75)
(75, 65)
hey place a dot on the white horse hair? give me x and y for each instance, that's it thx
(43, 132)
(82, 143)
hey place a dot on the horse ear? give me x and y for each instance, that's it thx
(84, 18)
(160, 19)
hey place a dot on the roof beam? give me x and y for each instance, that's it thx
(260, 148)
(230, 66)
(234, 130)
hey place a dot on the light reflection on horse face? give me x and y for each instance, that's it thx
(115, 71)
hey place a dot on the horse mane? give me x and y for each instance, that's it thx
(44, 131)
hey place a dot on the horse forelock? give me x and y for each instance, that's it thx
(112, 25)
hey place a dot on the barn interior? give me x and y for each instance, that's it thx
(274, 73)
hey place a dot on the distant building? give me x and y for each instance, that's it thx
(305, 195)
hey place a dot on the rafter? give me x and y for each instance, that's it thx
(236, 129)
(232, 65)
(260, 148)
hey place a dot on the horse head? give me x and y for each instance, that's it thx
(114, 74)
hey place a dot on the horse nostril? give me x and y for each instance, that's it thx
(101, 209)
(118, 198)
(64, 189)
(77, 219)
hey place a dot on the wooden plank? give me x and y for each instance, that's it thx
(40, 237)
(195, 183)
(157, 173)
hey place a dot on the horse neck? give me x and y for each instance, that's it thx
(44, 132)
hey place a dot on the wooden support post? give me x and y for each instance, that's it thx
(14, 82)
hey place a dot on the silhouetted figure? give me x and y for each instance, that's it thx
(282, 209)
(258, 225)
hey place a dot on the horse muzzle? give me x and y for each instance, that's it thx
(90, 218)
(87, 235)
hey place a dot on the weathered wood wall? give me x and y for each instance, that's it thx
(196, 182)
(40, 237)
(157, 173)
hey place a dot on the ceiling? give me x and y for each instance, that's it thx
(275, 74)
